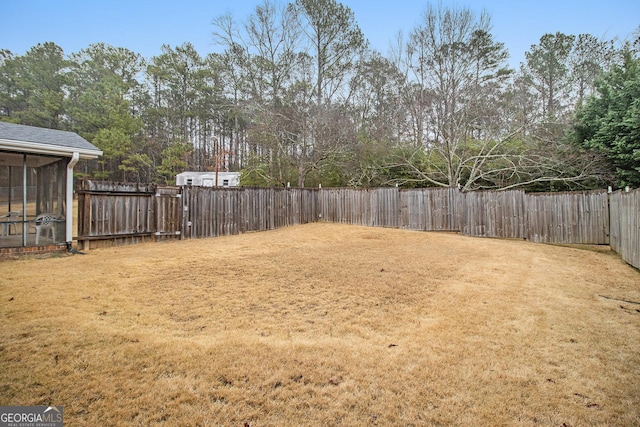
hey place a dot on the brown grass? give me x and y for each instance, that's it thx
(325, 325)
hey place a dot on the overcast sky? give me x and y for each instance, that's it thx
(144, 26)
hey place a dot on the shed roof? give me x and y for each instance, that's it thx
(210, 173)
(36, 140)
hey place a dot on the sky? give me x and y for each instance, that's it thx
(144, 26)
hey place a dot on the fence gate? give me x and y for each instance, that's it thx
(111, 214)
(168, 213)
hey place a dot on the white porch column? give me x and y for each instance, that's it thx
(69, 202)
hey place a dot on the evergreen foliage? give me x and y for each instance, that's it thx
(609, 121)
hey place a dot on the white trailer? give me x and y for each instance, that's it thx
(208, 179)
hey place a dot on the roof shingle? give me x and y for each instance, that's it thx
(59, 138)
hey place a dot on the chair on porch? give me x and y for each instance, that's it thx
(45, 222)
(9, 220)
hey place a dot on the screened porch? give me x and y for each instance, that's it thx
(32, 200)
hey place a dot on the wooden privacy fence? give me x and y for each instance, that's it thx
(432, 209)
(225, 211)
(494, 214)
(372, 207)
(578, 217)
(625, 225)
(572, 217)
(426, 209)
(129, 213)
(115, 213)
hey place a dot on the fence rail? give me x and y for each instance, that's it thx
(128, 213)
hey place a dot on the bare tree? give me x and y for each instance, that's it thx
(589, 58)
(263, 62)
(334, 40)
(455, 72)
(547, 70)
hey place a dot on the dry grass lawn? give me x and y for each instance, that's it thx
(325, 325)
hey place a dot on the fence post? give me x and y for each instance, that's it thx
(84, 216)
(186, 217)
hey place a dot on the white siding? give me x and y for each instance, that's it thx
(208, 179)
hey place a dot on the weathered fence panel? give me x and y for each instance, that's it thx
(494, 214)
(625, 225)
(123, 213)
(168, 213)
(212, 212)
(205, 211)
(385, 203)
(428, 209)
(570, 217)
(347, 205)
(431, 209)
